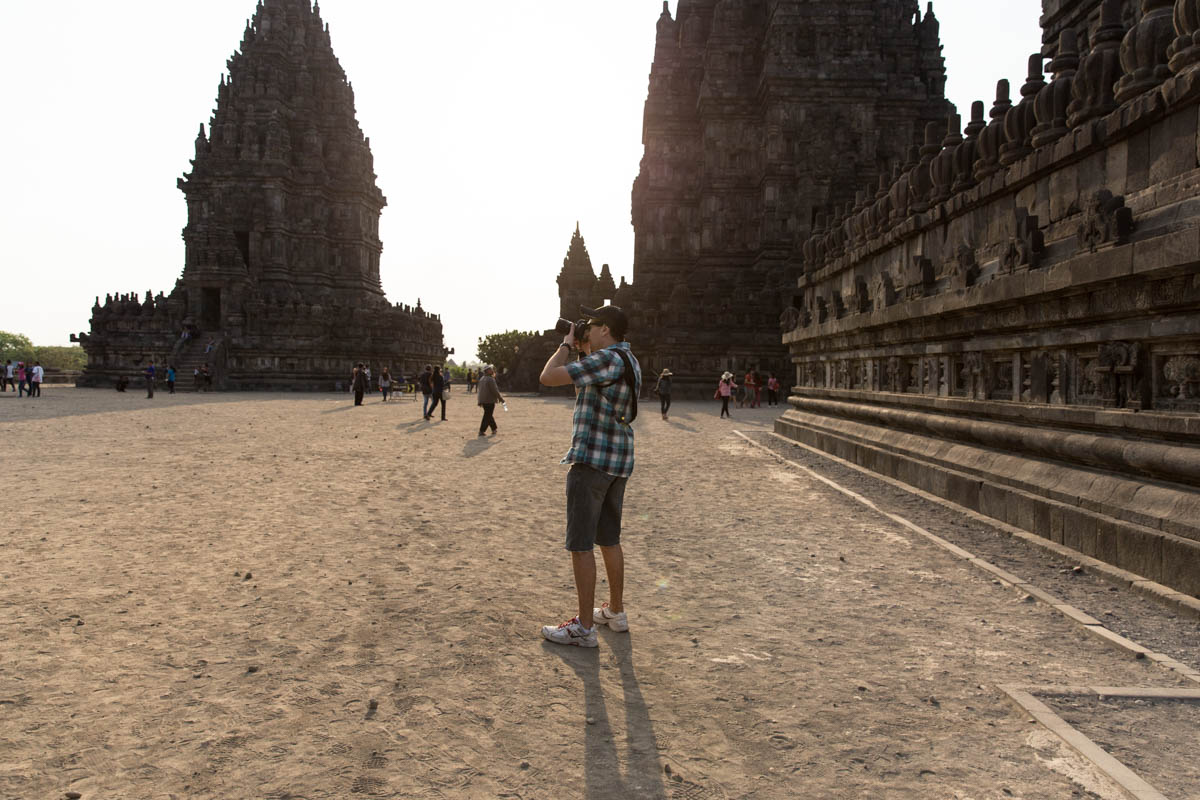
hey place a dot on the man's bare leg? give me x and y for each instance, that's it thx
(614, 566)
(584, 566)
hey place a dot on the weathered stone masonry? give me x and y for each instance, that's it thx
(1013, 321)
(282, 249)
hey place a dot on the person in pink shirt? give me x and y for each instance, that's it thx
(20, 379)
(725, 390)
(772, 390)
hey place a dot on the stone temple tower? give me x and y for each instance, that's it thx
(577, 280)
(282, 248)
(762, 117)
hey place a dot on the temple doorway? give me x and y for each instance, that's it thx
(210, 309)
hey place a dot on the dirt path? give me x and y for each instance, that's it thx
(288, 597)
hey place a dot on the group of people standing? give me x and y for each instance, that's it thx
(751, 390)
(28, 379)
(434, 385)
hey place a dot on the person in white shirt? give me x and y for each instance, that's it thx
(35, 380)
(6, 379)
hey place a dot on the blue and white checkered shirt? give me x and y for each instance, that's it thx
(600, 437)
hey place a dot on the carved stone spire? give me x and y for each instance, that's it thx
(1092, 92)
(992, 137)
(1052, 102)
(1021, 119)
(1144, 50)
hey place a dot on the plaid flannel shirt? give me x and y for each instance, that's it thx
(599, 437)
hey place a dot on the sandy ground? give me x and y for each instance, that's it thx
(285, 596)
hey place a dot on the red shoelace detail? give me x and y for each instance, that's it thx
(568, 622)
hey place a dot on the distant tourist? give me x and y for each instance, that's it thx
(122, 383)
(436, 385)
(359, 382)
(748, 387)
(196, 379)
(663, 390)
(148, 374)
(608, 381)
(35, 379)
(424, 383)
(206, 376)
(725, 390)
(772, 390)
(758, 387)
(471, 381)
(6, 379)
(208, 348)
(385, 383)
(170, 379)
(486, 397)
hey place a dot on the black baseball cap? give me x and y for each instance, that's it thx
(612, 316)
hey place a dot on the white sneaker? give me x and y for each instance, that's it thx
(605, 616)
(572, 633)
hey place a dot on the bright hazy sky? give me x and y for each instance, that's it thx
(495, 126)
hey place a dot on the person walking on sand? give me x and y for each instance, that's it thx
(359, 381)
(385, 383)
(35, 379)
(663, 390)
(20, 379)
(608, 381)
(6, 378)
(487, 394)
(148, 374)
(725, 390)
(170, 379)
(425, 384)
(437, 385)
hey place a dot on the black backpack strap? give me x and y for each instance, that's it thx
(631, 382)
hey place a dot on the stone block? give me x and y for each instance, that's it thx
(1108, 533)
(963, 490)
(1079, 529)
(994, 501)
(1137, 162)
(1140, 551)
(1181, 564)
(1116, 168)
(1033, 515)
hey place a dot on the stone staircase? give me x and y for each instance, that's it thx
(190, 357)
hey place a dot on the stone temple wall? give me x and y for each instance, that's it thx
(281, 248)
(1013, 322)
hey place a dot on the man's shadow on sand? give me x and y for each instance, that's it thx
(477, 445)
(643, 776)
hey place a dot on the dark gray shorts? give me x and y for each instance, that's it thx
(594, 501)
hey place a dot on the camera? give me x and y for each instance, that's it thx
(563, 327)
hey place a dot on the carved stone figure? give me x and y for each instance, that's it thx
(1106, 220)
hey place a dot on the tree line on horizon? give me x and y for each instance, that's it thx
(19, 347)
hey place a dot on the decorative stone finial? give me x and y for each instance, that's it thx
(942, 168)
(1050, 106)
(1092, 88)
(967, 152)
(1185, 50)
(1021, 119)
(993, 136)
(1144, 50)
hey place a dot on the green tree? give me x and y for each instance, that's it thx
(15, 346)
(61, 356)
(502, 350)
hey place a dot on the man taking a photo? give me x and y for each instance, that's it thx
(608, 381)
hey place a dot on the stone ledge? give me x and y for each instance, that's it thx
(1152, 554)
(1180, 464)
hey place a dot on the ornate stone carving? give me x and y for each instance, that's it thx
(1052, 102)
(1119, 369)
(992, 136)
(1106, 220)
(1021, 119)
(975, 371)
(862, 296)
(1144, 50)
(941, 170)
(921, 277)
(968, 151)
(921, 180)
(1181, 378)
(789, 319)
(1025, 249)
(1185, 50)
(966, 270)
(883, 291)
(1092, 89)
